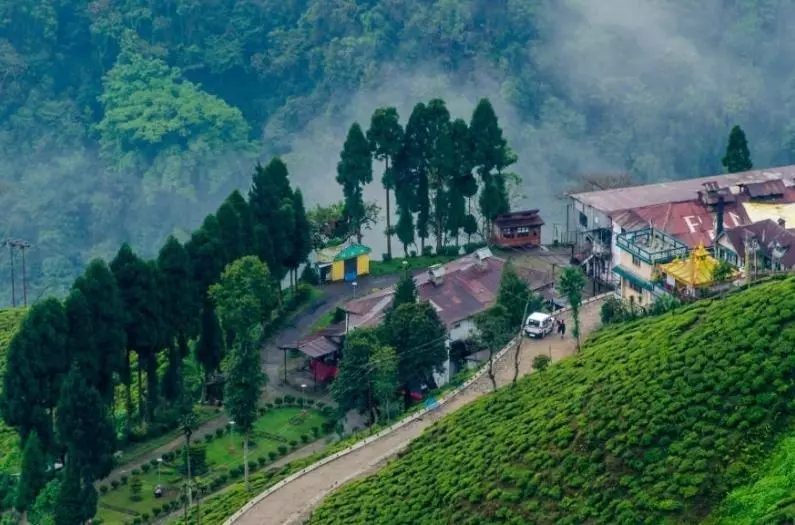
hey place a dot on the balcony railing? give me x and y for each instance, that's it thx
(671, 250)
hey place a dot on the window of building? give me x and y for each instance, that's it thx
(507, 232)
(636, 260)
(583, 220)
(522, 231)
(635, 287)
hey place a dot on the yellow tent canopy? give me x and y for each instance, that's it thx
(696, 270)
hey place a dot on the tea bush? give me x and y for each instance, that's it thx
(653, 422)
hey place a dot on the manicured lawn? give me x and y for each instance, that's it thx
(276, 428)
(414, 263)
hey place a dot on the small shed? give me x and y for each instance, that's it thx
(345, 262)
(517, 229)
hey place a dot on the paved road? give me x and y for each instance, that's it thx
(293, 503)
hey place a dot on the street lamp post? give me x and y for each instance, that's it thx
(159, 462)
(355, 284)
(406, 268)
(231, 433)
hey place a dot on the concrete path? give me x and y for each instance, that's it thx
(293, 503)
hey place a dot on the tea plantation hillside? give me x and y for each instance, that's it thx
(654, 422)
(9, 449)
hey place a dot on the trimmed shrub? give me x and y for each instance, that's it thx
(136, 472)
(156, 511)
(209, 437)
(278, 401)
(252, 465)
(115, 484)
(272, 455)
(305, 438)
(124, 479)
(293, 443)
(283, 450)
(219, 432)
(262, 460)
(153, 462)
(300, 401)
(145, 516)
(289, 400)
(103, 489)
(146, 467)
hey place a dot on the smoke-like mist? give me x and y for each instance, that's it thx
(651, 87)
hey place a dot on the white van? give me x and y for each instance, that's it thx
(539, 324)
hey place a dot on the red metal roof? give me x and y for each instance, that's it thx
(529, 218)
(690, 221)
(465, 291)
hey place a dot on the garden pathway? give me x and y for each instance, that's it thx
(293, 503)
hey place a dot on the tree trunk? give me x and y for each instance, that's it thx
(388, 219)
(575, 313)
(128, 404)
(245, 459)
(491, 369)
(141, 411)
(187, 460)
(151, 384)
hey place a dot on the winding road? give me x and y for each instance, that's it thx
(293, 503)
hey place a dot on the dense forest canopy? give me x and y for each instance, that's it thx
(127, 121)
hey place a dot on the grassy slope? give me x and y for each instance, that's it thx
(9, 441)
(654, 422)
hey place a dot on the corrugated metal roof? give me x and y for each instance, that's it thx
(696, 270)
(528, 218)
(613, 200)
(342, 252)
(772, 188)
(690, 222)
(317, 346)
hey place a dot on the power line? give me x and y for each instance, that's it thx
(17, 244)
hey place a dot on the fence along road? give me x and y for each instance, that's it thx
(291, 501)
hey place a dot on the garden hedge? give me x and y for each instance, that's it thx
(653, 422)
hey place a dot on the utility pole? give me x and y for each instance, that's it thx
(13, 277)
(22, 246)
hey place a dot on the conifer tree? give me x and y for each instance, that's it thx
(36, 365)
(354, 170)
(209, 349)
(490, 157)
(77, 499)
(440, 154)
(269, 192)
(463, 185)
(737, 158)
(231, 231)
(206, 254)
(84, 427)
(405, 195)
(34, 473)
(417, 146)
(302, 235)
(140, 290)
(386, 137)
(405, 292)
(246, 221)
(102, 350)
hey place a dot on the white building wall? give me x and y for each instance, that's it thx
(464, 330)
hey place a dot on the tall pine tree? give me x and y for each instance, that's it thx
(206, 253)
(36, 365)
(737, 158)
(354, 170)
(386, 138)
(441, 159)
(102, 350)
(416, 148)
(139, 286)
(34, 473)
(302, 235)
(209, 349)
(268, 197)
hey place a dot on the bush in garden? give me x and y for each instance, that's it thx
(283, 450)
(300, 401)
(103, 489)
(316, 431)
(136, 520)
(654, 421)
(305, 438)
(156, 511)
(272, 455)
(262, 411)
(115, 484)
(252, 465)
(328, 411)
(541, 362)
(124, 478)
(219, 432)
(269, 405)
(208, 438)
(198, 460)
(136, 472)
(153, 462)
(168, 457)
(293, 443)
(136, 486)
(146, 467)
(145, 517)
(320, 404)
(278, 401)
(261, 460)
(289, 400)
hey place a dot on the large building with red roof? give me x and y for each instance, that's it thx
(688, 210)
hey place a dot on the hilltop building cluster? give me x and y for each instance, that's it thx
(677, 237)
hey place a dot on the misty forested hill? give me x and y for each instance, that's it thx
(128, 120)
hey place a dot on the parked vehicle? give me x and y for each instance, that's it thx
(539, 324)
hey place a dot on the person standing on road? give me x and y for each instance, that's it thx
(562, 328)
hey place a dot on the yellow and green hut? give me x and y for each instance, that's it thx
(345, 262)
